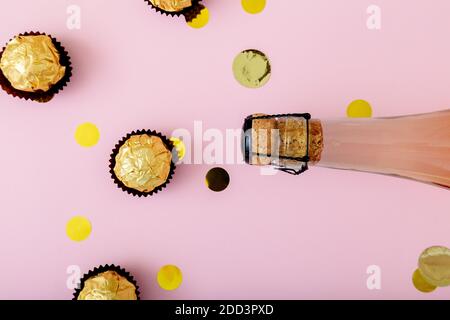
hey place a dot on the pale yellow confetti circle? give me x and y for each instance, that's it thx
(359, 109)
(180, 147)
(253, 6)
(87, 134)
(251, 68)
(170, 277)
(201, 20)
(420, 283)
(434, 265)
(78, 228)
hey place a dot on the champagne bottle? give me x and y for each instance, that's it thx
(411, 146)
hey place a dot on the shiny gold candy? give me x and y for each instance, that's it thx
(217, 179)
(31, 63)
(434, 265)
(420, 283)
(172, 5)
(143, 162)
(108, 285)
(252, 68)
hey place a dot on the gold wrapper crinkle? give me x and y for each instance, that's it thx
(108, 285)
(31, 63)
(172, 5)
(143, 162)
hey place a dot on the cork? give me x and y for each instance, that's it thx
(288, 137)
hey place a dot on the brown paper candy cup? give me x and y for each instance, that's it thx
(41, 96)
(193, 12)
(92, 273)
(189, 13)
(112, 163)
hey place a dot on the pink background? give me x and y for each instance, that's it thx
(265, 236)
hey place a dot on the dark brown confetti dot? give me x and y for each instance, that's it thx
(217, 179)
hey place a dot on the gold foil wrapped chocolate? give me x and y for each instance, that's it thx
(108, 285)
(172, 5)
(31, 63)
(434, 266)
(190, 9)
(143, 162)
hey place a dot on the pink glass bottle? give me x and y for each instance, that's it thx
(411, 146)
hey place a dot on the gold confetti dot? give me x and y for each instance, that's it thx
(87, 134)
(420, 283)
(200, 20)
(359, 109)
(170, 277)
(434, 265)
(180, 148)
(251, 68)
(78, 228)
(217, 179)
(253, 6)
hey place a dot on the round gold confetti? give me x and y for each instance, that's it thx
(251, 68)
(253, 6)
(180, 149)
(87, 134)
(217, 179)
(420, 283)
(78, 228)
(359, 109)
(200, 20)
(434, 265)
(170, 277)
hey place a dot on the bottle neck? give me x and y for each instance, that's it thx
(416, 146)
